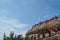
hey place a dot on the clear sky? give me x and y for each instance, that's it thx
(20, 15)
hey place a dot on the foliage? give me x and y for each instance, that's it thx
(4, 38)
(58, 26)
(12, 37)
(27, 38)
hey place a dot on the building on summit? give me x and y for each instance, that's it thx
(45, 29)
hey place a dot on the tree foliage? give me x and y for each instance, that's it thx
(12, 36)
(27, 38)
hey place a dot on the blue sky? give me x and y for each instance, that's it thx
(20, 15)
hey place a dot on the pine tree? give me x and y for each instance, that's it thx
(11, 36)
(4, 37)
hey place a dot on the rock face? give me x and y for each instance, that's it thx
(45, 29)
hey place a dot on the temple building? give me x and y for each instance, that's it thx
(45, 29)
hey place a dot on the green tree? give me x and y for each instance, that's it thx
(7, 38)
(4, 37)
(15, 37)
(11, 36)
(19, 37)
(27, 38)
